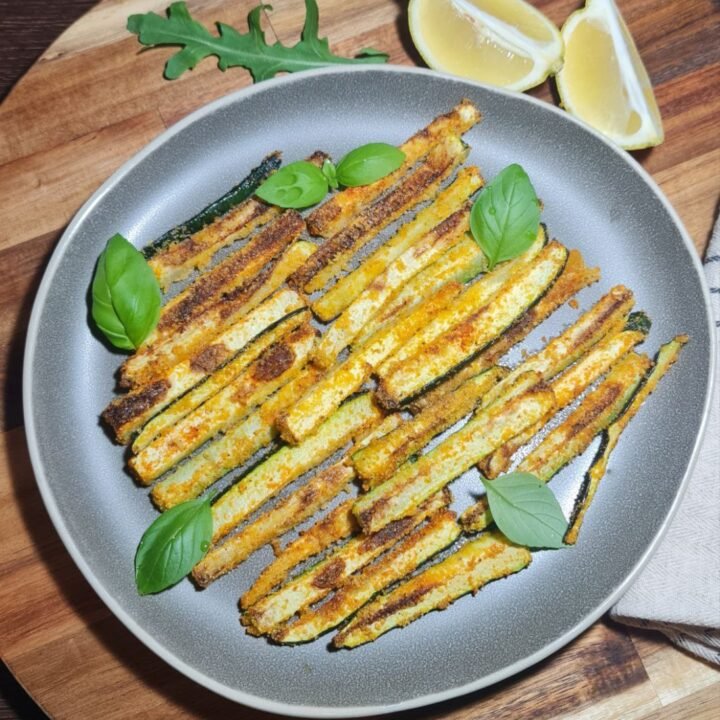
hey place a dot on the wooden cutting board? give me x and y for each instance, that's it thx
(91, 102)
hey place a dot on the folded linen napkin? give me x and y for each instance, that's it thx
(685, 603)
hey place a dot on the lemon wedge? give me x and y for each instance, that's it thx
(507, 43)
(603, 80)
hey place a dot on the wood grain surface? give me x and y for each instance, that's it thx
(90, 102)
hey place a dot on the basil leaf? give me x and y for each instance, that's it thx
(505, 218)
(172, 545)
(526, 511)
(330, 172)
(297, 185)
(368, 163)
(126, 297)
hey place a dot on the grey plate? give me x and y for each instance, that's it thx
(596, 199)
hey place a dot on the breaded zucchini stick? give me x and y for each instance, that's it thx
(419, 185)
(440, 531)
(217, 381)
(125, 414)
(235, 447)
(478, 562)
(337, 525)
(267, 479)
(574, 435)
(276, 365)
(361, 311)
(151, 361)
(333, 215)
(324, 397)
(298, 506)
(573, 278)
(665, 359)
(568, 387)
(227, 275)
(463, 262)
(289, 512)
(345, 290)
(178, 259)
(474, 333)
(486, 431)
(473, 299)
(381, 458)
(317, 582)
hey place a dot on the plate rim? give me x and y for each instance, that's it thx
(241, 696)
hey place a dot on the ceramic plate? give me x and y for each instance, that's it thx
(596, 198)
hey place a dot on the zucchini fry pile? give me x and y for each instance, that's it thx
(300, 358)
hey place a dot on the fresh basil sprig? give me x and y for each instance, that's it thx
(505, 218)
(297, 185)
(302, 184)
(173, 545)
(126, 297)
(368, 163)
(526, 511)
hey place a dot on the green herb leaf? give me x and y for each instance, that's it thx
(173, 545)
(368, 163)
(526, 511)
(232, 48)
(297, 185)
(505, 218)
(126, 296)
(330, 172)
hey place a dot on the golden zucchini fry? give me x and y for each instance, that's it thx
(666, 358)
(347, 288)
(318, 581)
(473, 299)
(567, 388)
(151, 361)
(324, 397)
(177, 260)
(574, 435)
(228, 275)
(361, 311)
(127, 413)
(279, 363)
(381, 458)
(490, 557)
(285, 515)
(282, 467)
(473, 334)
(337, 525)
(217, 381)
(235, 447)
(573, 278)
(440, 531)
(414, 482)
(463, 262)
(333, 215)
(298, 506)
(419, 185)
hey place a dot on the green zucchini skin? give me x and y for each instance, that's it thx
(242, 191)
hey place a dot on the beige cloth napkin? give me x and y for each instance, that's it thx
(678, 591)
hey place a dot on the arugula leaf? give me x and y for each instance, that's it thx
(126, 297)
(368, 163)
(526, 511)
(505, 219)
(172, 545)
(297, 185)
(232, 48)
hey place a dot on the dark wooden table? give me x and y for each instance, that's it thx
(88, 105)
